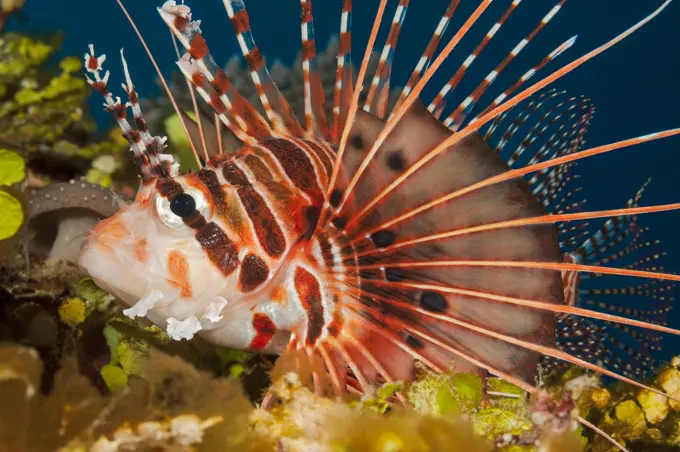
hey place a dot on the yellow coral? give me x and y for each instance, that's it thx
(654, 405)
(633, 418)
(669, 380)
(600, 397)
(73, 311)
(12, 167)
(302, 421)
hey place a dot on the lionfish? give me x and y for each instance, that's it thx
(371, 238)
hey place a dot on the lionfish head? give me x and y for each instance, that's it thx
(148, 254)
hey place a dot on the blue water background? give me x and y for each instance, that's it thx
(634, 86)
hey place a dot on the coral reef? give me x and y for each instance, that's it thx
(173, 408)
(46, 136)
(11, 172)
(166, 404)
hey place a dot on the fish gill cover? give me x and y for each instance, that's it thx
(400, 384)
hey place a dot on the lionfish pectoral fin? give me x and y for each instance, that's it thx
(402, 300)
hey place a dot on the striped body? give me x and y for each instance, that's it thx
(258, 260)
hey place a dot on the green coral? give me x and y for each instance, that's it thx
(34, 112)
(454, 394)
(43, 106)
(179, 141)
(12, 215)
(635, 417)
(12, 170)
(127, 356)
(302, 421)
(93, 295)
(73, 311)
(12, 167)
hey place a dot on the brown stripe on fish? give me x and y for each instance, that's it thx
(320, 170)
(309, 292)
(263, 175)
(266, 171)
(322, 154)
(253, 273)
(279, 194)
(221, 251)
(254, 59)
(209, 179)
(326, 248)
(328, 148)
(169, 187)
(297, 166)
(335, 326)
(267, 229)
(241, 21)
(198, 48)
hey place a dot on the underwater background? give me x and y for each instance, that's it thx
(634, 86)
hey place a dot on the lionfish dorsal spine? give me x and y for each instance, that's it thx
(147, 150)
(314, 96)
(428, 54)
(342, 89)
(210, 80)
(377, 97)
(276, 106)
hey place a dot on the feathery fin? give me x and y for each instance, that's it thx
(315, 99)
(276, 106)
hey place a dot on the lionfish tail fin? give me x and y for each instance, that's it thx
(623, 242)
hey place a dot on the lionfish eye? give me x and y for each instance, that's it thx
(183, 205)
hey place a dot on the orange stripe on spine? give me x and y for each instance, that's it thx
(241, 21)
(199, 48)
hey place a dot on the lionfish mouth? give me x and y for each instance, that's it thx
(430, 239)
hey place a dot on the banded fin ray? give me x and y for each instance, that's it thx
(439, 101)
(276, 106)
(426, 59)
(376, 98)
(212, 83)
(343, 89)
(456, 118)
(315, 100)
